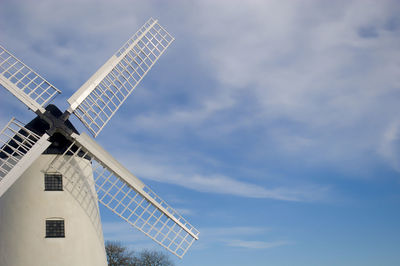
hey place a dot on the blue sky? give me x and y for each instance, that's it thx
(272, 126)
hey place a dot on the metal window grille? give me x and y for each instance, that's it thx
(25, 79)
(53, 182)
(55, 228)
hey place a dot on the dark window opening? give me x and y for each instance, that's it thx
(55, 228)
(53, 182)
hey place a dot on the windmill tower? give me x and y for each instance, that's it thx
(52, 177)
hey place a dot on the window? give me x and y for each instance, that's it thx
(55, 228)
(53, 182)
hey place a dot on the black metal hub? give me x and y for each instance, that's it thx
(57, 126)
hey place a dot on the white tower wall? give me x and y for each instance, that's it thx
(24, 209)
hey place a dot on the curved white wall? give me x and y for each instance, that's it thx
(23, 212)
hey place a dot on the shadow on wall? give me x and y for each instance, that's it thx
(78, 181)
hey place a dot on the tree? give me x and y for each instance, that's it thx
(119, 255)
(154, 258)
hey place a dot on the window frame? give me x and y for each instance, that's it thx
(58, 230)
(51, 185)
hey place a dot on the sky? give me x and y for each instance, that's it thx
(272, 126)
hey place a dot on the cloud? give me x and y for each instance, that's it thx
(122, 231)
(72, 44)
(130, 236)
(185, 212)
(389, 145)
(225, 185)
(256, 244)
(300, 86)
(240, 237)
(333, 88)
(320, 91)
(230, 236)
(166, 170)
(234, 231)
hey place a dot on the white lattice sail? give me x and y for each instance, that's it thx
(128, 197)
(89, 172)
(101, 96)
(28, 86)
(19, 148)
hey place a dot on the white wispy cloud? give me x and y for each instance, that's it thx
(185, 212)
(322, 73)
(334, 86)
(127, 234)
(332, 79)
(237, 236)
(241, 237)
(122, 231)
(256, 244)
(389, 144)
(234, 231)
(158, 169)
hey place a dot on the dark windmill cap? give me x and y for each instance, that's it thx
(59, 143)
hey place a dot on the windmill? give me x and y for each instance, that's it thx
(52, 177)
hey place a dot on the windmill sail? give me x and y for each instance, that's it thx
(20, 148)
(94, 104)
(101, 96)
(128, 197)
(24, 83)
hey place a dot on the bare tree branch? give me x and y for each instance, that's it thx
(119, 255)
